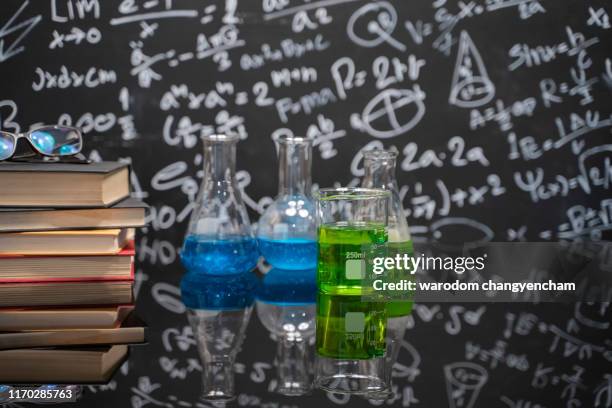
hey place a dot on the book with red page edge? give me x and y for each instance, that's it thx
(128, 250)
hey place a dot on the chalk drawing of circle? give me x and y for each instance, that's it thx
(393, 112)
(359, 25)
(456, 232)
(479, 91)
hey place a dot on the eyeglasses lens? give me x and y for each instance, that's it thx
(56, 141)
(7, 145)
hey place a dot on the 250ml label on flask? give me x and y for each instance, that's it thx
(354, 269)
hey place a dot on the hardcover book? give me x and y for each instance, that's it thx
(61, 365)
(126, 213)
(63, 185)
(41, 318)
(74, 242)
(43, 268)
(65, 293)
(131, 331)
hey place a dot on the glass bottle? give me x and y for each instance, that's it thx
(286, 232)
(219, 240)
(218, 310)
(379, 166)
(286, 307)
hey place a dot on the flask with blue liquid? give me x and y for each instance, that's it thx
(219, 240)
(286, 232)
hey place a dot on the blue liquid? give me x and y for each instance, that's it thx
(294, 253)
(208, 292)
(219, 257)
(288, 287)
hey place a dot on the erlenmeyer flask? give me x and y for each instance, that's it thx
(286, 307)
(218, 309)
(219, 240)
(379, 166)
(286, 232)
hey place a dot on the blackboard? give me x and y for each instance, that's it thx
(500, 110)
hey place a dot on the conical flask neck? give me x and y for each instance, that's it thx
(379, 169)
(220, 158)
(379, 172)
(295, 163)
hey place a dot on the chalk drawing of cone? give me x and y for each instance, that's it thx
(464, 380)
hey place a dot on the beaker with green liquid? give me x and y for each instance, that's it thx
(350, 323)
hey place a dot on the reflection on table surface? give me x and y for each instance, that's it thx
(252, 336)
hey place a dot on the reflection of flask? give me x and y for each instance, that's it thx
(286, 307)
(396, 328)
(286, 231)
(354, 329)
(218, 309)
(219, 239)
(379, 167)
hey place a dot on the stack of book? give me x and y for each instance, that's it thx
(66, 271)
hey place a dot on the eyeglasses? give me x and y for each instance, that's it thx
(49, 141)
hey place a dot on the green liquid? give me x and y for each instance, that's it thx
(339, 243)
(398, 308)
(348, 327)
